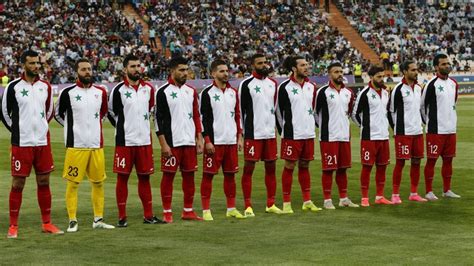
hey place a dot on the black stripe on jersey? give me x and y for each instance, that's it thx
(285, 111)
(246, 109)
(398, 106)
(163, 115)
(431, 107)
(117, 106)
(207, 114)
(322, 107)
(109, 116)
(65, 107)
(365, 109)
(14, 111)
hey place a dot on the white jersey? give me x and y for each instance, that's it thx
(177, 114)
(438, 106)
(129, 112)
(81, 111)
(220, 115)
(404, 109)
(295, 109)
(26, 111)
(258, 96)
(370, 113)
(333, 109)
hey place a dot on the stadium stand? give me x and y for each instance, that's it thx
(104, 31)
(415, 31)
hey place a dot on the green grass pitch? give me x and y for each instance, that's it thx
(439, 232)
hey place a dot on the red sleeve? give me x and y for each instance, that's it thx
(351, 101)
(457, 87)
(103, 107)
(151, 103)
(196, 116)
(237, 112)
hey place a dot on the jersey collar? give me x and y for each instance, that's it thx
(80, 84)
(292, 78)
(127, 83)
(23, 77)
(257, 76)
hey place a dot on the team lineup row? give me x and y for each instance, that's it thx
(218, 123)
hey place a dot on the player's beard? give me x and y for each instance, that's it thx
(85, 79)
(338, 81)
(445, 72)
(262, 71)
(134, 77)
(30, 73)
(379, 85)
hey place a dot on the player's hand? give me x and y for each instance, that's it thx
(199, 147)
(210, 148)
(240, 143)
(166, 151)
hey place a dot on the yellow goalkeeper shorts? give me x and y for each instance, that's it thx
(83, 161)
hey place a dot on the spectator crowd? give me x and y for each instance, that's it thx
(64, 31)
(415, 31)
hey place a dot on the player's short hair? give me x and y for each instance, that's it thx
(374, 69)
(81, 60)
(291, 61)
(437, 58)
(255, 56)
(405, 65)
(28, 53)
(176, 61)
(128, 58)
(335, 64)
(217, 63)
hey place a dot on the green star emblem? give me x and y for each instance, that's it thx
(408, 93)
(145, 116)
(42, 114)
(96, 115)
(24, 93)
(440, 88)
(128, 94)
(78, 97)
(310, 111)
(216, 97)
(232, 113)
(190, 115)
(174, 95)
(257, 89)
(331, 96)
(454, 107)
(295, 91)
(373, 96)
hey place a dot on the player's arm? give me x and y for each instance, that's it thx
(391, 108)
(282, 104)
(114, 103)
(360, 103)
(61, 107)
(151, 102)
(7, 99)
(160, 97)
(206, 114)
(103, 106)
(197, 124)
(240, 142)
(49, 106)
(317, 106)
(243, 97)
